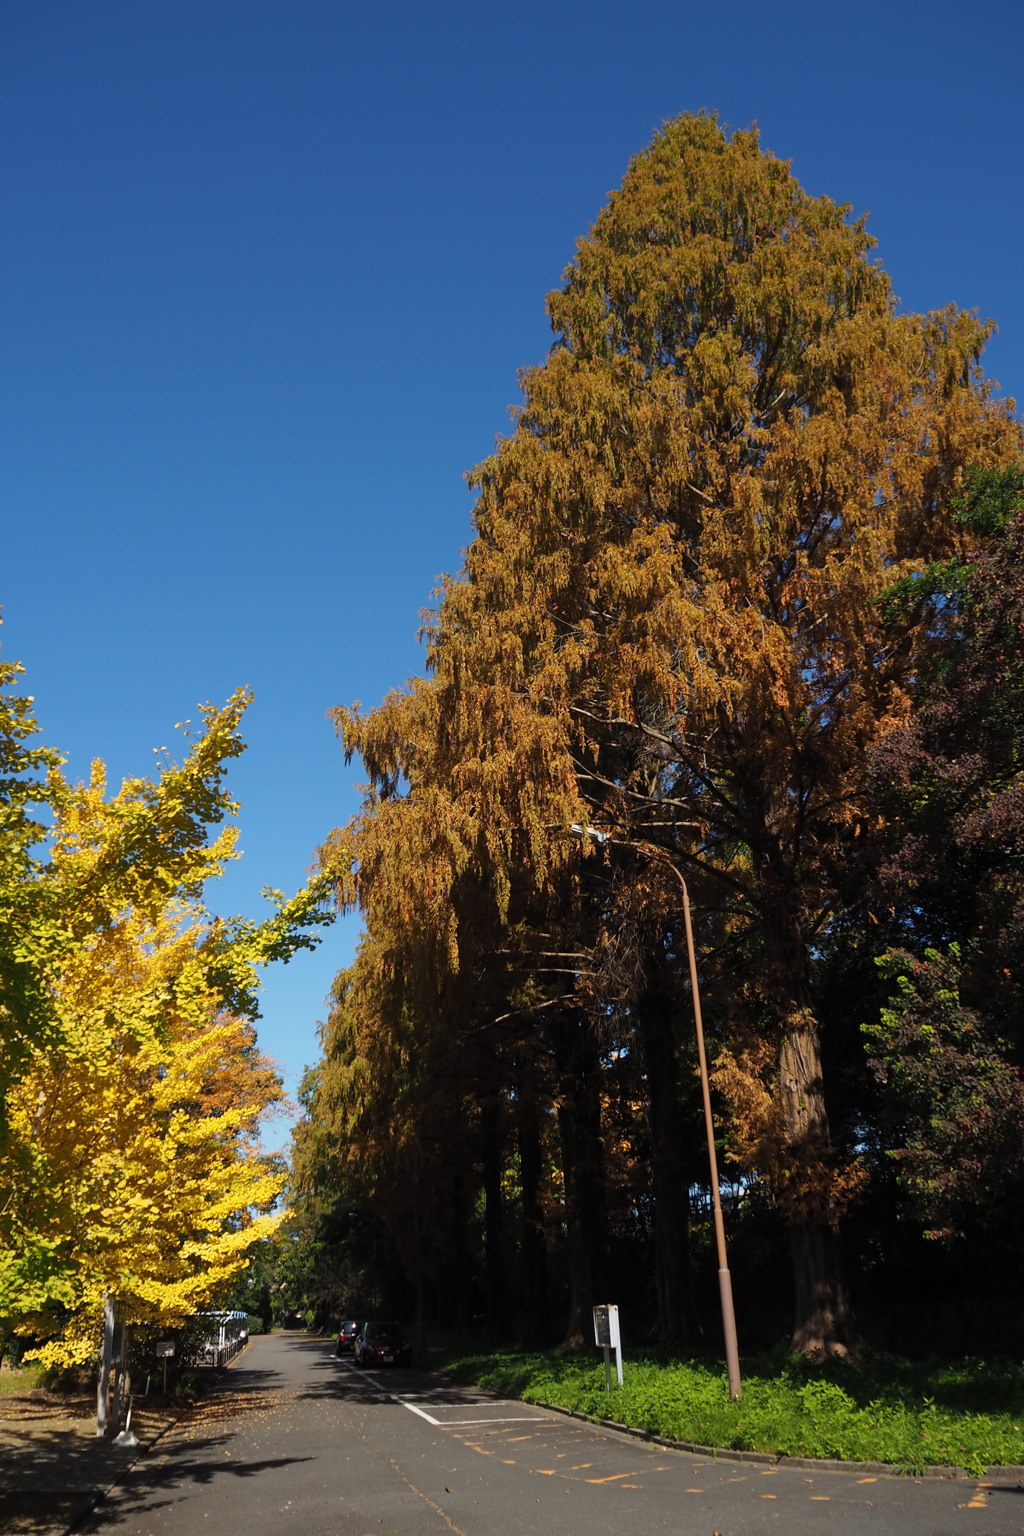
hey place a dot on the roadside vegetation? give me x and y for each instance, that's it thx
(911, 1414)
(16, 1380)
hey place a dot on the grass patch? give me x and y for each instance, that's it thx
(912, 1414)
(16, 1380)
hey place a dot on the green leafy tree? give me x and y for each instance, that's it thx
(950, 787)
(953, 1100)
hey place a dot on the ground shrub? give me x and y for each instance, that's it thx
(912, 1414)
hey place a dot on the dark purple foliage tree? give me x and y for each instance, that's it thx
(950, 786)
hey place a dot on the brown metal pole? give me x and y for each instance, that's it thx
(732, 1354)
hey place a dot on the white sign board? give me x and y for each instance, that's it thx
(606, 1334)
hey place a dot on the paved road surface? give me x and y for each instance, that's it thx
(300, 1443)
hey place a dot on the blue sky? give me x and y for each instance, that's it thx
(269, 271)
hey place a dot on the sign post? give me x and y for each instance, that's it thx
(164, 1352)
(606, 1333)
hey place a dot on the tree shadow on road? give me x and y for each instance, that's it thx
(200, 1461)
(346, 1382)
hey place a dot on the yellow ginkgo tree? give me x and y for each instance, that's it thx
(130, 1158)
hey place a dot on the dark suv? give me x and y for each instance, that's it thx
(382, 1344)
(347, 1336)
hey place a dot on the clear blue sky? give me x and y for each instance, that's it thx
(269, 271)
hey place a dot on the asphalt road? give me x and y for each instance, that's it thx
(298, 1441)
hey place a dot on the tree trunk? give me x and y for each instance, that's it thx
(579, 1126)
(494, 1218)
(670, 1177)
(535, 1327)
(460, 1273)
(106, 1364)
(823, 1321)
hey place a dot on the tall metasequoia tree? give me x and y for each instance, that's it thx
(666, 628)
(666, 615)
(461, 1029)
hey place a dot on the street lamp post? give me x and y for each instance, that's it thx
(732, 1354)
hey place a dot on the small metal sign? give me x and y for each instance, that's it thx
(606, 1334)
(606, 1326)
(164, 1348)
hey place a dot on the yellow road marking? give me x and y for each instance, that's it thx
(544, 1471)
(769, 1495)
(508, 1463)
(867, 1479)
(693, 1490)
(581, 1466)
(514, 1438)
(820, 1498)
(629, 1485)
(616, 1477)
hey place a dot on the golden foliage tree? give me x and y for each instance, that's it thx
(130, 1164)
(666, 625)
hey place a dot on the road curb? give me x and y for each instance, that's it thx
(777, 1459)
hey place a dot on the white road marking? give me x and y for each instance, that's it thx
(533, 1418)
(406, 1402)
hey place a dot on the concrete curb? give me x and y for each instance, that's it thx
(797, 1463)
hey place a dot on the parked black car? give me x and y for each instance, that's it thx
(382, 1344)
(347, 1331)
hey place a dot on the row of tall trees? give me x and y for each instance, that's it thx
(131, 1085)
(741, 605)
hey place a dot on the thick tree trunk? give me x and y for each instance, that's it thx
(823, 1321)
(806, 1171)
(670, 1179)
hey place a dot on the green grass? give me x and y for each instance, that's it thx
(14, 1382)
(911, 1414)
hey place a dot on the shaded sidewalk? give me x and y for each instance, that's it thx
(53, 1468)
